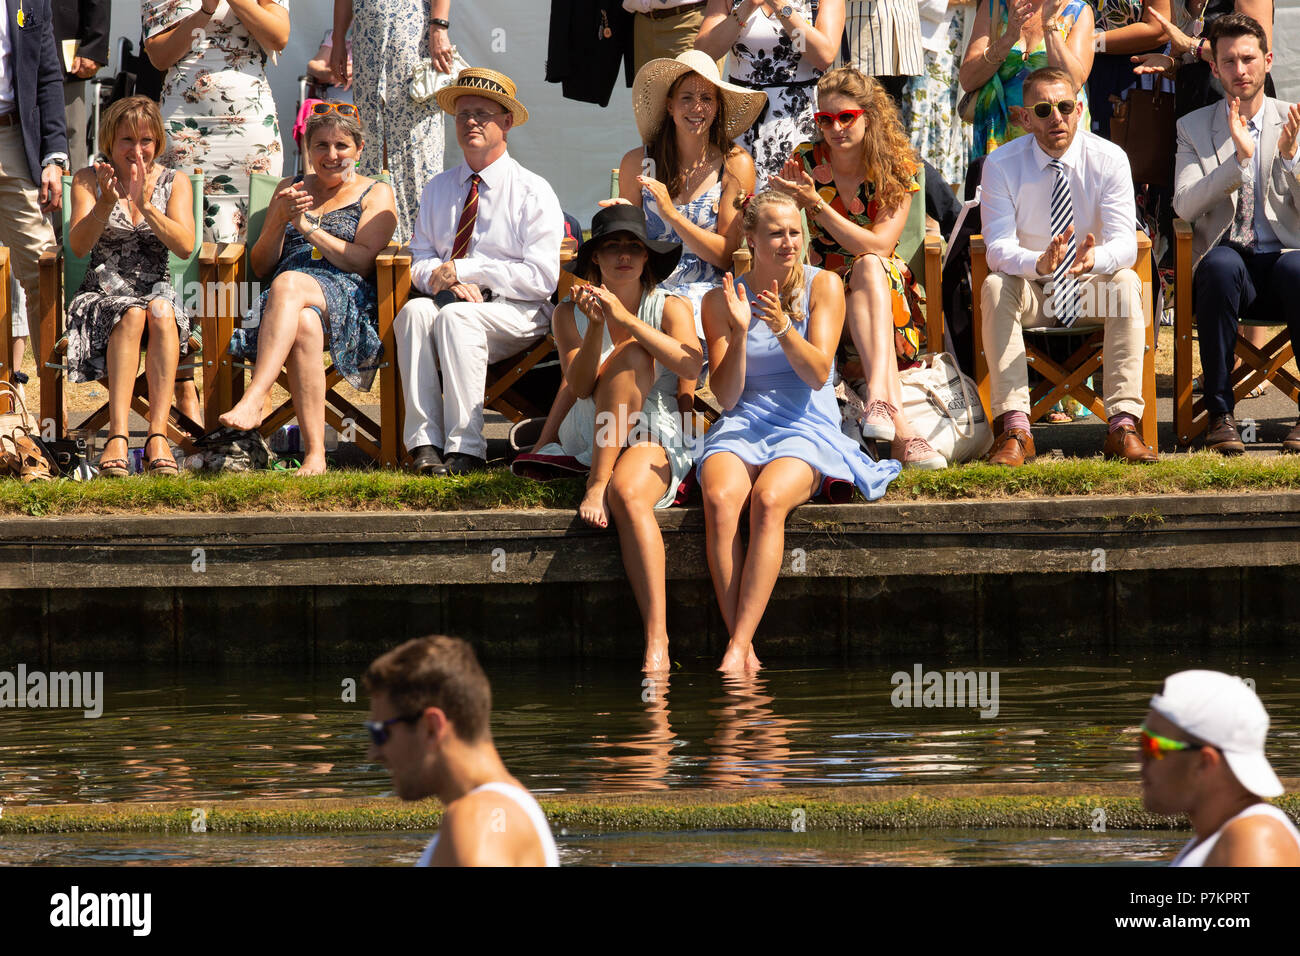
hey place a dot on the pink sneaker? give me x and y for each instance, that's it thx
(919, 453)
(878, 423)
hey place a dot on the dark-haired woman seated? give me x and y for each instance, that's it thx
(318, 244)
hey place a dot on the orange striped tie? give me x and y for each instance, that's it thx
(465, 228)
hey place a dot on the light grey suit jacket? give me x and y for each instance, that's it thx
(1207, 177)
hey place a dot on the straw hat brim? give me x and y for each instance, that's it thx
(650, 94)
(448, 95)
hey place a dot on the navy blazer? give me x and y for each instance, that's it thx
(84, 20)
(38, 82)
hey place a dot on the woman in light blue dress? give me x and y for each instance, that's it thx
(772, 339)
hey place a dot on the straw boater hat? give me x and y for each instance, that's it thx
(650, 93)
(478, 81)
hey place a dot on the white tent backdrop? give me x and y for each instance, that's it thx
(574, 145)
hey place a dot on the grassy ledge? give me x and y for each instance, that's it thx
(1201, 473)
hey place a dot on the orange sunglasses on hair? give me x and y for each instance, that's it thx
(344, 109)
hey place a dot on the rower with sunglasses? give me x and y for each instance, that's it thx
(430, 709)
(1202, 748)
(1059, 222)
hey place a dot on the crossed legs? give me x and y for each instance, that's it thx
(743, 580)
(123, 360)
(870, 320)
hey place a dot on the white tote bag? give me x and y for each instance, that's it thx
(944, 408)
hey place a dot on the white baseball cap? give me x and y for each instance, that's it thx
(1224, 712)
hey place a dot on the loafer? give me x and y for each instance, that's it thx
(1125, 444)
(1223, 437)
(424, 459)
(1291, 443)
(458, 464)
(1013, 447)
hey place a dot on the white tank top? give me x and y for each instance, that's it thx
(1195, 854)
(530, 807)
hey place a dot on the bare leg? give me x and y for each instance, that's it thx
(621, 387)
(16, 357)
(726, 482)
(123, 362)
(640, 479)
(187, 400)
(160, 370)
(307, 385)
(870, 320)
(781, 487)
(291, 292)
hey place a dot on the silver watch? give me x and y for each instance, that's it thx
(786, 12)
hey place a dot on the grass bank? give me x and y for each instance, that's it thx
(1198, 473)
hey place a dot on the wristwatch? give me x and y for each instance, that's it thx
(786, 12)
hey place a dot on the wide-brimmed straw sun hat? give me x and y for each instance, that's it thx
(479, 81)
(650, 93)
(624, 217)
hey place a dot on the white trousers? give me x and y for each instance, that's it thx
(463, 339)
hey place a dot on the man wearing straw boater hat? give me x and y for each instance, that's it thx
(487, 250)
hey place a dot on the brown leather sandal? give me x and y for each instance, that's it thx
(9, 460)
(161, 466)
(115, 467)
(32, 464)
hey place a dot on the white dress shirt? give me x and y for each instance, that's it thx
(515, 248)
(1016, 203)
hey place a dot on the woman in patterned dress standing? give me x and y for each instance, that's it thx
(389, 39)
(216, 101)
(775, 48)
(930, 101)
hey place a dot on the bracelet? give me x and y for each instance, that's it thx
(311, 231)
(208, 13)
(439, 22)
(789, 324)
(97, 219)
(818, 209)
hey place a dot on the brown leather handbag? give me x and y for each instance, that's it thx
(1143, 125)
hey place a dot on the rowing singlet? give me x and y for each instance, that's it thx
(530, 807)
(1195, 854)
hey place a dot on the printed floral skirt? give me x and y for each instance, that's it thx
(907, 304)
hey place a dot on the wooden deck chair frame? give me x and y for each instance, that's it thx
(1068, 379)
(6, 331)
(378, 439)
(1191, 417)
(61, 274)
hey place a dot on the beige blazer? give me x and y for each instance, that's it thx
(1207, 177)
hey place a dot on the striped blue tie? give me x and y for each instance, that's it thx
(1065, 287)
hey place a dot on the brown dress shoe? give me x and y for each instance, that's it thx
(1291, 443)
(1013, 447)
(1222, 436)
(1124, 443)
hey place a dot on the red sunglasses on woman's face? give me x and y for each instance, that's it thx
(842, 118)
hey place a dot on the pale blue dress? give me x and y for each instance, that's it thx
(780, 416)
(659, 421)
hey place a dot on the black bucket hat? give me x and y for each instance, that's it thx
(625, 217)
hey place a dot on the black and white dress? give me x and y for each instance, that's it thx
(137, 256)
(764, 58)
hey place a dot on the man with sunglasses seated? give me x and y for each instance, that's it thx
(430, 707)
(1203, 755)
(487, 249)
(1059, 222)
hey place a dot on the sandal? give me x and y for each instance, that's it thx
(162, 466)
(9, 460)
(32, 464)
(115, 467)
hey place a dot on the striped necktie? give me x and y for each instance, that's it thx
(468, 215)
(1065, 287)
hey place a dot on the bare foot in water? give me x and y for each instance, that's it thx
(312, 465)
(656, 657)
(245, 416)
(593, 509)
(736, 660)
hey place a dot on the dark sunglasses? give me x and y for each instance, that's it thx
(844, 118)
(1044, 109)
(346, 109)
(379, 728)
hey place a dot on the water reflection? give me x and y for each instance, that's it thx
(647, 766)
(751, 746)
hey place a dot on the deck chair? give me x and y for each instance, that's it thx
(1257, 366)
(1068, 378)
(6, 331)
(61, 274)
(378, 439)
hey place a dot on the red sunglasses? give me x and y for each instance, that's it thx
(843, 118)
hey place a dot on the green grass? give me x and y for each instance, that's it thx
(1202, 472)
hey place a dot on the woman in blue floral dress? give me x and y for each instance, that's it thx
(216, 101)
(318, 246)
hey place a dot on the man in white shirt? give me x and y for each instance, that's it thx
(1237, 182)
(487, 248)
(1047, 197)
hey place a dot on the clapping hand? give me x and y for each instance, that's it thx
(1286, 143)
(795, 182)
(1179, 40)
(289, 204)
(590, 304)
(1055, 253)
(109, 184)
(1083, 259)
(1161, 63)
(608, 304)
(769, 308)
(1239, 128)
(1018, 15)
(738, 308)
(1049, 9)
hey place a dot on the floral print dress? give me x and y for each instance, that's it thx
(127, 253)
(389, 39)
(218, 111)
(764, 57)
(693, 276)
(930, 102)
(825, 250)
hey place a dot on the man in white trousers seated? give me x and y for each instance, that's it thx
(487, 249)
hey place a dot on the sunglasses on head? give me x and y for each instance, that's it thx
(1155, 746)
(346, 109)
(843, 118)
(1044, 109)
(379, 728)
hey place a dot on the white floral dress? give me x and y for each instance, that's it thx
(389, 39)
(930, 102)
(219, 113)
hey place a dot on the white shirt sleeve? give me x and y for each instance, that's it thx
(998, 223)
(424, 259)
(1117, 245)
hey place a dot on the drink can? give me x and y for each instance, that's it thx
(137, 461)
(292, 439)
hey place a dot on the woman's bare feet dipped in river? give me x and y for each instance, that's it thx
(656, 657)
(246, 415)
(594, 509)
(736, 659)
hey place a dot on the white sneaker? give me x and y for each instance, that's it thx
(878, 423)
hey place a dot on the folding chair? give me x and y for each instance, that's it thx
(378, 439)
(6, 330)
(1068, 378)
(1191, 417)
(61, 274)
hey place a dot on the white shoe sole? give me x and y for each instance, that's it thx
(872, 432)
(937, 463)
